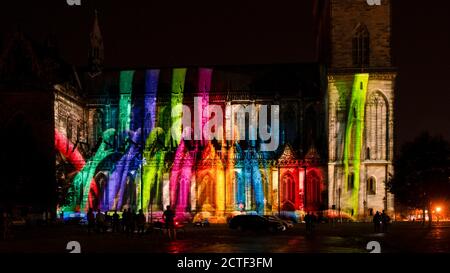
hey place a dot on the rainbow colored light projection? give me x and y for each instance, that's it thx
(354, 134)
(126, 83)
(210, 190)
(151, 90)
(176, 102)
(154, 156)
(67, 149)
(82, 181)
(184, 161)
(145, 160)
(126, 138)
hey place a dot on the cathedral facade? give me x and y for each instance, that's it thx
(116, 148)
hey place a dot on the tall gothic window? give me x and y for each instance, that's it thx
(313, 191)
(371, 186)
(340, 127)
(69, 129)
(361, 46)
(351, 181)
(377, 129)
(97, 126)
(288, 188)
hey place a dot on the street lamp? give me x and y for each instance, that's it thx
(438, 213)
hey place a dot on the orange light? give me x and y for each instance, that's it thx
(438, 209)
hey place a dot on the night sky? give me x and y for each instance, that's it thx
(140, 34)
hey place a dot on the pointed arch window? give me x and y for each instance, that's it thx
(371, 186)
(288, 183)
(361, 46)
(98, 125)
(377, 126)
(351, 181)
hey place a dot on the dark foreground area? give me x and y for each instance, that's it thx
(327, 238)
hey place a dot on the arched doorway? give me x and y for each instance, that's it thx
(181, 194)
(312, 191)
(98, 192)
(239, 190)
(288, 192)
(129, 195)
(206, 193)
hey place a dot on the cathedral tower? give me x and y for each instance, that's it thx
(360, 107)
(96, 51)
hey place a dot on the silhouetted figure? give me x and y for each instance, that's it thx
(100, 220)
(115, 222)
(169, 217)
(308, 221)
(377, 222)
(385, 219)
(91, 220)
(140, 222)
(4, 225)
(124, 220)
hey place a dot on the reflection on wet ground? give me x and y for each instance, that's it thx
(344, 238)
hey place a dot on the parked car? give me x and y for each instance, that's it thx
(286, 223)
(255, 222)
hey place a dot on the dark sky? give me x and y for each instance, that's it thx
(162, 33)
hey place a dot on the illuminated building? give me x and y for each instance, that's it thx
(115, 148)
(153, 167)
(360, 108)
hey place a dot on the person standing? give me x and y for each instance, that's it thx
(376, 222)
(91, 220)
(115, 222)
(385, 219)
(4, 225)
(169, 217)
(141, 222)
(100, 220)
(124, 220)
(308, 222)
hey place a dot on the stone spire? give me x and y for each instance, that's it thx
(96, 50)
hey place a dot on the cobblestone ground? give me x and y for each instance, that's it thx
(339, 238)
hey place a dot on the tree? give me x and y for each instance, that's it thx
(422, 173)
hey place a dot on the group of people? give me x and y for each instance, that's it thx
(129, 223)
(381, 222)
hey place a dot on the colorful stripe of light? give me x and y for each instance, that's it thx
(355, 123)
(65, 147)
(176, 102)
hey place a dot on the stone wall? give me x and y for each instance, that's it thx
(71, 117)
(380, 167)
(345, 17)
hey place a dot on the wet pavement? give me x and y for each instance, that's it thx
(328, 238)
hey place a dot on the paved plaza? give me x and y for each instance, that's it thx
(328, 238)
